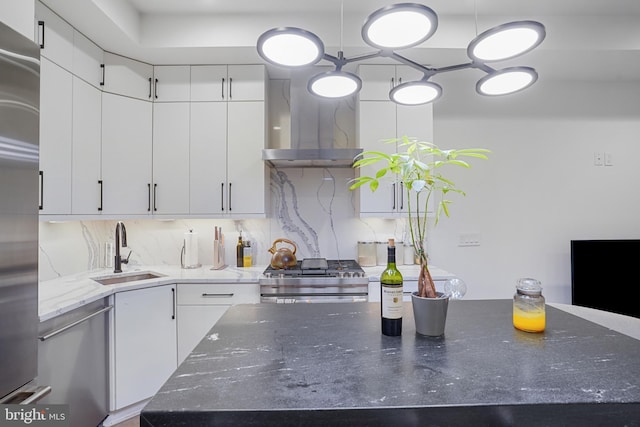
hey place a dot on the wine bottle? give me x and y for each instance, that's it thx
(239, 252)
(391, 295)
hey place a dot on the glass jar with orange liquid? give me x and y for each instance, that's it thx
(529, 306)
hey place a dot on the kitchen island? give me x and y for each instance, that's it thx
(328, 364)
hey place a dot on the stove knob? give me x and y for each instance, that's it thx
(267, 275)
(281, 275)
(341, 274)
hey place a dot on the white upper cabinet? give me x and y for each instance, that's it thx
(246, 170)
(86, 171)
(126, 155)
(125, 76)
(88, 60)
(171, 83)
(171, 158)
(55, 138)
(380, 119)
(55, 37)
(378, 80)
(208, 164)
(228, 82)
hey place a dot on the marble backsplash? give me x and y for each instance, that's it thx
(312, 207)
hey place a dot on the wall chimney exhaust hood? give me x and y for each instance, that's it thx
(307, 131)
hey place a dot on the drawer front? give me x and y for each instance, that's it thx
(218, 294)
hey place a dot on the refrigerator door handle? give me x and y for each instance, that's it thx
(33, 394)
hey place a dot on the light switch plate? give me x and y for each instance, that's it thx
(598, 159)
(469, 239)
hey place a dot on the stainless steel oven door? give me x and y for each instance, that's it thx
(313, 298)
(316, 290)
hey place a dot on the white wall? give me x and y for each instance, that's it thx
(540, 188)
(19, 14)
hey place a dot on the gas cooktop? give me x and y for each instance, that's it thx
(319, 267)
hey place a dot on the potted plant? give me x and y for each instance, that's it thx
(419, 167)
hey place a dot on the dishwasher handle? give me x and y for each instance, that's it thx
(72, 324)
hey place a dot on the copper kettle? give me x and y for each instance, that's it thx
(283, 257)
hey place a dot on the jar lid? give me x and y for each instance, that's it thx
(529, 286)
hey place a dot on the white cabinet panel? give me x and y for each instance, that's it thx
(171, 158)
(88, 60)
(54, 36)
(55, 138)
(245, 167)
(126, 155)
(128, 77)
(377, 122)
(208, 82)
(145, 342)
(86, 169)
(228, 83)
(246, 82)
(171, 83)
(208, 163)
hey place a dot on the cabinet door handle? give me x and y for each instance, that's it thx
(399, 80)
(155, 197)
(392, 82)
(156, 88)
(41, 205)
(222, 196)
(229, 197)
(71, 325)
(149, 197)
(150, 84)
(401, 195)
(230, 295)
(41, 31)
(393, 197)
(230, 86)
(173, 303)
(222, 88)
(100, 184)
(102, 82)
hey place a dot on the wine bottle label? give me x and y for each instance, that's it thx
(391, 302)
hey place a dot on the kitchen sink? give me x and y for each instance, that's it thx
(127, 277)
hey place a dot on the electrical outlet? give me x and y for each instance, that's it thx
(469, 239)
(608, 161)
(598, 159)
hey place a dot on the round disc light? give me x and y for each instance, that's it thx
(399, 26)
(290, 47)
(415, 93)
(334, 84)
(506, 41)
(506, 81)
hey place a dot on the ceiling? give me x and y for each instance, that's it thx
(586, 39)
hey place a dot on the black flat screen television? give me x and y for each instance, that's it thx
(603, 275)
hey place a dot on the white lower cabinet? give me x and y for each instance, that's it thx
(144, 343)
(201, 305)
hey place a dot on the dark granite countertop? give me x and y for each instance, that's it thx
(328, 365)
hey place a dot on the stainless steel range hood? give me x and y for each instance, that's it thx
(307, 131)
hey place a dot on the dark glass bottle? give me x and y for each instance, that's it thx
(240, 252)
(391, 295)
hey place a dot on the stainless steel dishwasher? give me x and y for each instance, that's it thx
(73, 359)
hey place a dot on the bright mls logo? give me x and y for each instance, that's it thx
(34, 415)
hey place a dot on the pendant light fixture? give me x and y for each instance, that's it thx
(401, 26)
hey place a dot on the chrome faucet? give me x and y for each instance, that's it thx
(120, 231)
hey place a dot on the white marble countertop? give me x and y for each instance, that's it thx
(58, 296)
(66, 293)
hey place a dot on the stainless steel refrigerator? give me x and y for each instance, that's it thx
(19, 194)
